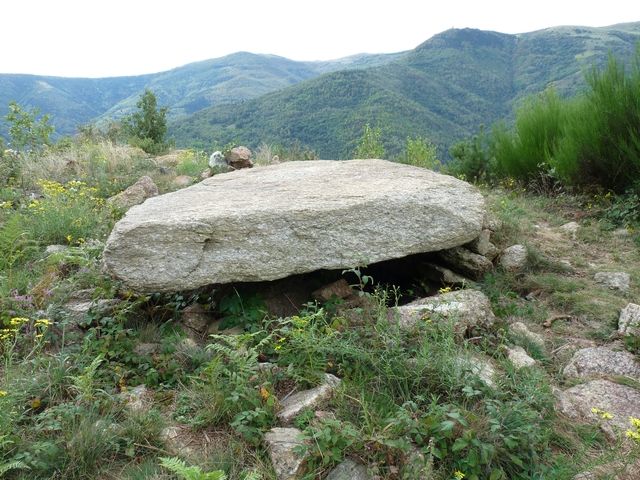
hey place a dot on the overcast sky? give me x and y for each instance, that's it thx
(95, 38)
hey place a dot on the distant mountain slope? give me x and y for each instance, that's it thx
(444, 89)
(187, 89)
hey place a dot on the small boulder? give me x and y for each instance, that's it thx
(443, 276)
(621, 401)
(53, 249)
(513, 258)
(571, 229)
(491, 222)
(629, 320)
(281, 444)
(613, 280)
(349, 470)
(216, 160)
(139, 399)
(467, 308)
(146, 349)
(135, 194)
(478, 366)
(339, 289)
(602, 361)
(182, 181)
(519, 328)
(294, 404)
(466, 262)
(196, 320)
(519, 357)
(483, 246)
(239, 157)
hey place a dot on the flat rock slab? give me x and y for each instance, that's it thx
(621, 401)
(349, 470)
(296, 217)
(282, 443)
(602, 361)
(467, 309)
(293, 405)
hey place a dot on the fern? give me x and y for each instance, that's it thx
(180, 468)
(84, 384)
(15, 465)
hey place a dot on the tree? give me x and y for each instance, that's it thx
(370, 145)
(26, 131)
(148, 126)
(421, 153)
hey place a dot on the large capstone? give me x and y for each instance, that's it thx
(295, 217)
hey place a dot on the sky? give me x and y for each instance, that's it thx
(100, 38)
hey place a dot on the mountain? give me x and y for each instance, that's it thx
(184, 90)
(443, 89)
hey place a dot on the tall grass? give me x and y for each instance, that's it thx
(540, 123)
(590, 140)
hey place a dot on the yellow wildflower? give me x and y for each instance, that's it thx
(458, 475)
(18, 321)
(635, 421)
(633, 435)
(3, 393)
(45, 322)
(69, 238)
(264, 394)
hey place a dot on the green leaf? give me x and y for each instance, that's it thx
(459, 444)
(496, 474)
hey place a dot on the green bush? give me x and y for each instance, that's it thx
(370, 144)
(420, 152)
(472, 159)
(539, 126)
(148, 126)
(601, 144)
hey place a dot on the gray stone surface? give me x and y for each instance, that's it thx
(513, 258)
(602, 361)
(613, 280)
(296, 217)
(621, 401)
(479, 366)
(522, 330)
(281, 443)
(466, 262)
(135, 194)
(444, 276)
(629, 320)
(570, 229)
(217, 160)
(483, 246)
(51, 249)
(312, 398)
(239, 157)
(466, 308)
(519, 357)
(349, 470)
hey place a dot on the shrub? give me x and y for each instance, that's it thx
(148, 126)
(420, 152)
(602, 142)
(472, 159)
(370, 145)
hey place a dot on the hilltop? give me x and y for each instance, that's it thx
(443, 89)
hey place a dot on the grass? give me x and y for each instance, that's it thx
(63, 412)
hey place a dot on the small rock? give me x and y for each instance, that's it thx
(239, 157)
(217, 160)
(483, 246)
(349, 470)
(570, 229)
(146, 349)
(513, 258)
(491, 222)
(480, 367)
(467, 308)
(339, 289)
(521, 329)
(629, 320)
(294, 404)
(205, 174)
(78, 310)
(621, 233)
(444, 276)
(138, 399)
(135, 194)
(196, 319)
(613, 280)
(621, 401)
(281, 443)
(586, 476)
(182, 181)
(51, 249)
(602, 361)
(466, 262)
(519, 358)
